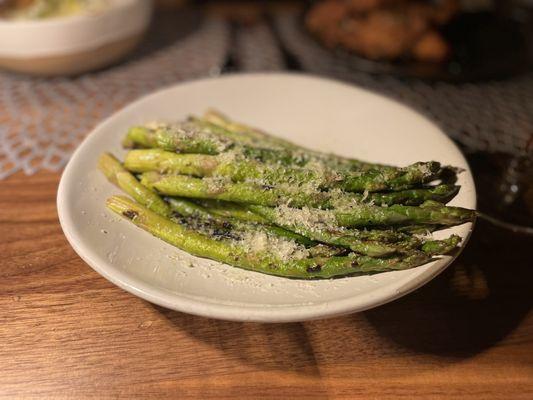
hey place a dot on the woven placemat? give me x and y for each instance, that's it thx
(43, 120)
(255, 48)
(492, 116)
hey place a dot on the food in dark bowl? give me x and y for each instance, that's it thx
(384, 29)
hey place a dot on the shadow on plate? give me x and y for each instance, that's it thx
(467, 309)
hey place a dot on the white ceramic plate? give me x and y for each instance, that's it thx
(318, 113)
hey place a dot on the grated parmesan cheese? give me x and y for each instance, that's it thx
(310, 219)
(227, 157)
(282, 249)
(215, 184)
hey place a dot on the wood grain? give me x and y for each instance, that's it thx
(65, 332)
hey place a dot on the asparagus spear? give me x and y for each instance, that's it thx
(348, 239)
(233, 219)
(366, 216)
(409, 197)
(183, 138)
(231, 210)
(188, 138)
(239, 169)
(116, 174)
(266, 260)
(436, 247)
(266, 195)
(187, 208)
(219, 189)
(392, 179)
(169, 162)
(326, 232)
(211, 221)
(417, 229)
(400, 215)
(226, 165)
(359, 241)
(243, 213)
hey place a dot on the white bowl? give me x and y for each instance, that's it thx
(318, 113)
(73, 44)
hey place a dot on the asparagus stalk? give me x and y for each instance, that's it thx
(409, 197)
(361, 242)
(169, 162)
(266, 195)
(182, 138)
(417, 229)
(374, 243)
(235, 212)
(187, 208)
(219, 189)
(366, 216)
(324, 230)
(243, 213)
(231, 210)
(436, 247)
(212, 221)
(238, 170)
(189, 138)
(398, 214)
(239, 254)
(225, 165)
(240, 131)
(118, 175)
(348, 240)
(415, 197)
(392, 179)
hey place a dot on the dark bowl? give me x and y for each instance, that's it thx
(484, 46)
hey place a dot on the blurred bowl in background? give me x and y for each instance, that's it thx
(481, 41)
(73, 44)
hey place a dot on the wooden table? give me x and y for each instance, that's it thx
(66, 332)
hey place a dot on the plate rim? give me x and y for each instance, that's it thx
(256, 313)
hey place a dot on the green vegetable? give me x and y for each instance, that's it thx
(115, 172)
(239, 169)
(231, 210)
(235, 194)
(212, 221)
(367, 216)
(239, 255)
(189, 137)
(324, 228)
(220, 189)
(183, 138)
